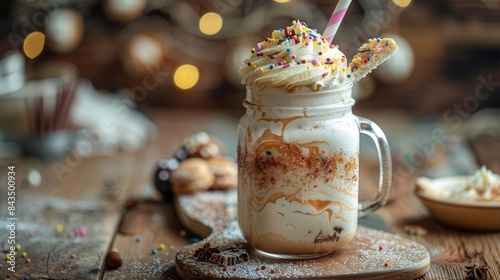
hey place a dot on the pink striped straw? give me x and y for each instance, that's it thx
(335, 20)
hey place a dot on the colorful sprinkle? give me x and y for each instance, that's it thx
(8, 276)
(224, 269)
(267, 39)
(18, 247)
(115, 250)
(258, 47)
(294, 22)
(314, 62)
(294, 57)
(380, 247)
(378, 39)
(32, 232)
(71, 234)
(28, 260)
(82, 231)
(154, 251)
(386, 264)
(162, 246)
(73, 256)
(252, 51)
(320, 53)
(249, 63)
(271, 66)
(7, 258)
(348, 75)
(353, 68)
(328, 59)
(324, 74)
(263, 267)
(369, 56)
(194, 240)
(182, 232)
(254, 66)
(138, 239)
(288, 49)
(1, 266)
(387, 43)
(365, 61)
(24, 254)
(272, 271)
(59, 228)
(308, 67)
(26, 278)
(298, 62)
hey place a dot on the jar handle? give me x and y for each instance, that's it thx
(371, 129)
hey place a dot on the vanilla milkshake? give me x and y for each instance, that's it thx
(298, 146)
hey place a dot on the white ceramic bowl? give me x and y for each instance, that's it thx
(470, 215)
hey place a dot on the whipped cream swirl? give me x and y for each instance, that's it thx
(295, 56)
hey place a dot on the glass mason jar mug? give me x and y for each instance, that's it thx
(298, 165)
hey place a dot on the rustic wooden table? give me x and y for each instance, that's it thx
(106, 203)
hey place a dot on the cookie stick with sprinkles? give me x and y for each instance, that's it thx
(335, 20)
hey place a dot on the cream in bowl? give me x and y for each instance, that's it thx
(469, 202)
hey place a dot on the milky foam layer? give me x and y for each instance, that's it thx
(295, 56)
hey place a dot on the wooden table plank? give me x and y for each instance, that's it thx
(154, 223)
(51, 252)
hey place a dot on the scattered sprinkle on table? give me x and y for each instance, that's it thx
(162, 246)
(26, 278)
(138, 239)
(18, 247)
(194, 240)
(28, 260)
(386, 264)
(8, 276)
(82, 231)
(71, 234)
(182, 233)
(1, 266)
(154, 251)
(115, 250)
(24, 254)
(380, 247)
(73, 256)
(32, 232)
(59, 228)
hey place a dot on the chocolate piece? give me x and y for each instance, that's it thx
(230, 256)
(206, 252)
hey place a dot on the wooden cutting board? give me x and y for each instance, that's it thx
(372, 254)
